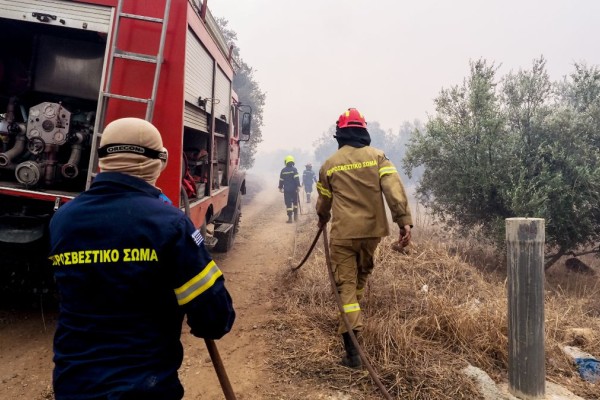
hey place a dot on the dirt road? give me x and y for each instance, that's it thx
(262, 248)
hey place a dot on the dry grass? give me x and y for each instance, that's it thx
(428, 314)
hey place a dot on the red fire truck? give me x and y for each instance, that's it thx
(68, 68)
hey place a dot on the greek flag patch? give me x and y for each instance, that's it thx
(197, 236)
(165, 199)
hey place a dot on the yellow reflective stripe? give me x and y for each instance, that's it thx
(349, 308)
(387, 170)
(295, 176)
(322, 190)
(198, 284)
(280, 179)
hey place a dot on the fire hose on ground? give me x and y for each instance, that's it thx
(338, 299)
(308, 253)
(210, 344)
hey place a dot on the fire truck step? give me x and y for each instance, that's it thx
(210, 242)
(223, 228)
(142, 18)
(135, 56)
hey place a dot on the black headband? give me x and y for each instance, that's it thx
(114, 148)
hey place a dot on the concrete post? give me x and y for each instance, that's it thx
(525, 253)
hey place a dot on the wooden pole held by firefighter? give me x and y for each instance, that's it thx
(220, 370)
(525, 256)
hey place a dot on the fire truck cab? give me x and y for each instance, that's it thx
(68, 68)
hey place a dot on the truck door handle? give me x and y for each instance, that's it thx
(43, 17)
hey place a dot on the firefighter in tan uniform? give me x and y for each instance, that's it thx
(351, 184)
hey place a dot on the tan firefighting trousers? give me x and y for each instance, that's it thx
(352, 262)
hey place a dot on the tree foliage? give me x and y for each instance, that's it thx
(520, 146)
(249, 93)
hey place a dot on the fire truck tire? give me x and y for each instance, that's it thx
(225, 240)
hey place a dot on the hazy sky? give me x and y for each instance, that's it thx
(390, 58)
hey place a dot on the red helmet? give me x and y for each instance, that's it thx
(351, 119)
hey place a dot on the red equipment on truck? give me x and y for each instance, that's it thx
(68, 68)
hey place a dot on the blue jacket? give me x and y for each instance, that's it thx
(289, 180)
(128, 267)
(308, 178)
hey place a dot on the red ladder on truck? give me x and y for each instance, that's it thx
(106, 94)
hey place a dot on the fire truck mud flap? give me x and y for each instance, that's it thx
(21, 229)
(227, 225)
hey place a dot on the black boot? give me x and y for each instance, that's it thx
(351, 359)
(289, 221)
(308, 197)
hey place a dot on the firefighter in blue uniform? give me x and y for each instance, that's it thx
(308, 178)
(289, 185)
(129, 266)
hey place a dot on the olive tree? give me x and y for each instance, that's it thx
(520, 146)
(463, 150)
